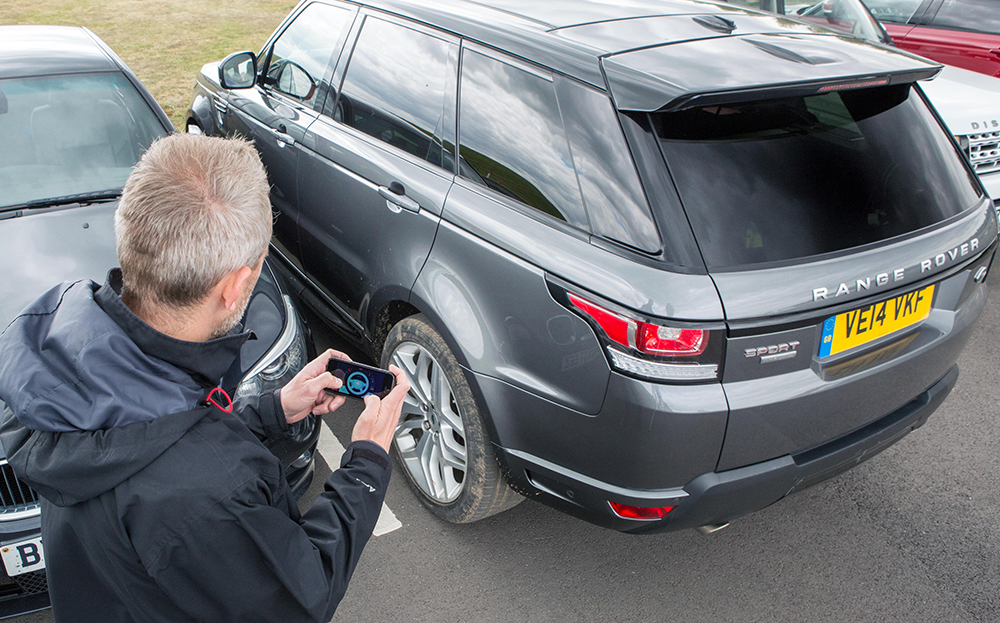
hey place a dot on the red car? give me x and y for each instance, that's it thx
(964, 33)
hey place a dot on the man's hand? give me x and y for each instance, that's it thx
(304, 393)
(378, 421)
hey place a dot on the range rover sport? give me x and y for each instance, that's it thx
(657, 263)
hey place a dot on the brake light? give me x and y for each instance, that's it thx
(640, 512)
(650, 350)
(618, 328)
(643, 336)
(849, 86)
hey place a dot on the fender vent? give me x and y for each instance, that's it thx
(221, 105)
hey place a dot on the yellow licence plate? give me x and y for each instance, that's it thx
(866, 324)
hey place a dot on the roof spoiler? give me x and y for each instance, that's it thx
(670, 78)
(796, 89)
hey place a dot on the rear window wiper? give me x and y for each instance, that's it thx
(81, 198)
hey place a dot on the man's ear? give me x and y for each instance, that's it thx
(232, 286)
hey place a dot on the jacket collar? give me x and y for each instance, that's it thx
(206, 362)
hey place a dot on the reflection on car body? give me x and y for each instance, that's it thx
(291, 78)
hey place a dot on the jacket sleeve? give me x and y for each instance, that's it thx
(250, 560)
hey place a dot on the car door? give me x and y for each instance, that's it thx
(294, 72)
(964, 33)
(378, 164)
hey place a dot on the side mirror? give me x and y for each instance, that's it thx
(238, 71)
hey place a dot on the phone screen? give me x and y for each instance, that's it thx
(360, 380)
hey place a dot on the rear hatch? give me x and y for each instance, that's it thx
(845, 234)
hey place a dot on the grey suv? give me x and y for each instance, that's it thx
(658, 264)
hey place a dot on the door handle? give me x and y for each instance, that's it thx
(995, 52)
(281, 134)
(395, 195)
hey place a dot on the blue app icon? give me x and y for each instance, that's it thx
(357, 383)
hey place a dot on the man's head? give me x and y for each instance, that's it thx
(192, 228)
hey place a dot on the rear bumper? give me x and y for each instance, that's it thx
(718, 497)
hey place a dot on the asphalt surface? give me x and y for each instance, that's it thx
(911, 535)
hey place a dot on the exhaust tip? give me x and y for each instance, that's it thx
(710, 528)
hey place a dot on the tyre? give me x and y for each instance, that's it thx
(441, 440)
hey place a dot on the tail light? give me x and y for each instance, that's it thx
(651, 350)
(660, 340)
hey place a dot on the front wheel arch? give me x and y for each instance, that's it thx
(450, 464)
(418, 306)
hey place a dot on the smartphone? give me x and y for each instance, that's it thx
(360, 380)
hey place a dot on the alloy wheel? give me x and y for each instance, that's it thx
(430, 436)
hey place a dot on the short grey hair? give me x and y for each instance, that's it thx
(194, 209)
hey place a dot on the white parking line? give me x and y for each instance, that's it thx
(331, 449)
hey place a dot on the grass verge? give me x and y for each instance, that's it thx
(165, 42)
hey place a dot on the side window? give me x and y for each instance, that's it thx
(893, 11)
(612, 194)
(511, 138)
(300, 56)
(974, 15)
(399, 88)
(847, 16)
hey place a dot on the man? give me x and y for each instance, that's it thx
(158, 505)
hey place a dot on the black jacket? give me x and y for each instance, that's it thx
(154, 507)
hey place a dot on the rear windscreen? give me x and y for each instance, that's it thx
(790, 178)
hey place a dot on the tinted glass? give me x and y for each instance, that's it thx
(976, 15)
(69, 135)
(396, 88)
(893, 11)
(300, 56)
(512, 139)
(847, 16)
(796, 177)
(614, 199)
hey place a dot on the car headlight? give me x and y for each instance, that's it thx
(280, 363)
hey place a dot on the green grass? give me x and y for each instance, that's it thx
(165, 42)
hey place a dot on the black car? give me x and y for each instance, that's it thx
(73, 122)
(657, 263)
